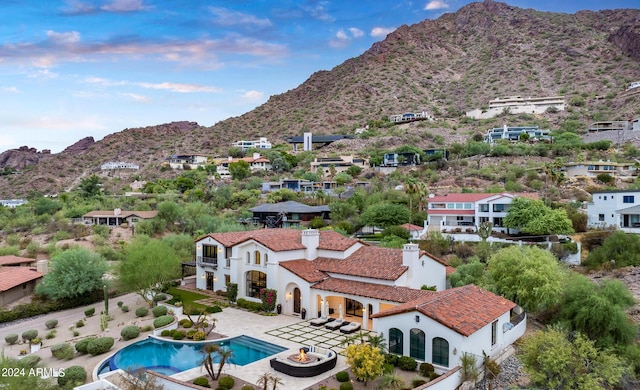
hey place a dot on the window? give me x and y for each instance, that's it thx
(450, 205)
(459, 218)
(440, 352)
(628, 199)
(210, 254)
(353, 307)
(248, 258)
(458, 206)
(494, 333)
(497, 222)
(266, 259)
(227, 262)
(256, 281)
(484, 208)
(601, 217)
(468, 206)
(395, 341)
(605, 197)
(498, 208)
(416, 344)
(227, 279)
(256, 258)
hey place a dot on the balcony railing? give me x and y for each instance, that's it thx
(207, 261)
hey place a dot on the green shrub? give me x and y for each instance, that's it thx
(415, 382)
(249, 305)
(142, 311)
(226, 382)
(186, 323)
(51, 324)
(159, 311)
(11, 338)
(387, 367)
(73, 376)
(199, 336)
(162, 321)
(29, 335)
(426, 369)
(62, 351)
(146, 328)
(178, 335)
(346, 386)
(391, 359)
(407, 363)
(79, 324)
(75, 333)
(159, 297)
(213, 309)
(99, 345)
(120, 303)
(342, 376)
(129, 332)
(202, 381)
(124, 308)
(89, 312)
(433, 375)
(51, 334)
(166, 333)
(29, 361)
(247, 387)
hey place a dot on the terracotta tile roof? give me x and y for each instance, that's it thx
(14, 260)
(463, 309)
(335, 241)
(123, 214)
(367, 262)
(305, 269)
(372, 290)
(411, 227)
(11, 277)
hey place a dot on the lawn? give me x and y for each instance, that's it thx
(187, 298)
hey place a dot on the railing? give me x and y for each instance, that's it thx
(207, 260)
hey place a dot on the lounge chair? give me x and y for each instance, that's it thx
(333, 325)
(319, 321)
(350, 328)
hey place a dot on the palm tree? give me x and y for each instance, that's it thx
(410, 188)
(275, 381)
(225, 355)
(377, 341)
(265, 379)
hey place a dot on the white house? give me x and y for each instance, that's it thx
(467, 211)
(518, 105)
(256, 163)
(111, 165)
(187, 161)
(318, 273)
(260, 143)
(619, 209)
(595, 168)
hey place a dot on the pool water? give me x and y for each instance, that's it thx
(172, 357)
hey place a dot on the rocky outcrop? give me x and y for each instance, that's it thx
(22, 157)
(627, 38)
(80, 146)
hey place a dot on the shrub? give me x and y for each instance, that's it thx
(415, 382)
(433, 375)
(51, 334)
(213, 309)
(130, 332)
(74, 375)
(247, 387)
(426, 369)
(76, 333)
(226, 382)
(99, 345)
(11, 338)
(346, 386)
(142, 311)
(407, 363)
(190, 333)
(120, 303)
(249, 305)
(51, 324)
(124, 308)
(162, 321)
(146, 328)
(159, 311)
(29, 335)
(342, 376)
(391, 359)
(166, 333)
(62, 351)
(90, 312)
(30, 361)
(199, 336)
(186, 323)
(159, 297)
(202, 381)
(178, 335)
(79, 324)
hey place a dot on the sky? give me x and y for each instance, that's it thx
(78, 68)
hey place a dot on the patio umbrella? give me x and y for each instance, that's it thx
(340, 311)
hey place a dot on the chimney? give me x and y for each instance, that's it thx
(117, 212)
(256, 156)
(411, 259)
(311, 240)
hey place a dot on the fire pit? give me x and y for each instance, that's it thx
(303, 357)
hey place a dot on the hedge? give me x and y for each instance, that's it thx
(81, 346)
(226, 382)
(40, 305)
(178, 335)
(11, 338)
(29, 361)
(213, 309)
(346, 386)
(74, 375)
(129, 332)
(249, 305)
(142, 311)
(162, 321)
(407, 363)
(62, 351)
(99, 345)
(29, 335)
(51, 324)
(159, 311)
(202, 381)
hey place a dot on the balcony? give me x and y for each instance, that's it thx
(210, 261)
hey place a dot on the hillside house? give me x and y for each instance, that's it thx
(260, 143)
(519, 105)
(410, 117)
(187, 161)
(256, 163)
(324, 165)
(12, 203)
(619, 209)
(401, 159)
(112, 165)
(514, 133)
(116, 217)
(288, 214)
(19, 277)
(595, 168)
(464, 212)
(320, 273)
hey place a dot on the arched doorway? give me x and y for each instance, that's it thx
(296, 300)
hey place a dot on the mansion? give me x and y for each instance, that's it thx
(400, 293)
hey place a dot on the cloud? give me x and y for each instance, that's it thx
(318, 11)
(253, 95)
(64, 38)
(137, 98)
(9, 89)
(124, 6)
(341, 34)
(168, 86)
(42, 74)
(226, 17)
(356, 32)
(342, 38)
(435, 4)
(381, 32)
(75, 7)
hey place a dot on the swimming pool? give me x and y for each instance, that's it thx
(169, 357)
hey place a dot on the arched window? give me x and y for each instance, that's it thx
(440, 352)
(416, 344)
(266, 259)
(248, 257)
(395, 341)
(256, 281)
(256, 257)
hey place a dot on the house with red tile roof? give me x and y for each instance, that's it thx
(322, 273)
(17, 282)
(462, 212)
(116, 217)
(256, 163)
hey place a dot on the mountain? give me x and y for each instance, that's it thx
(446, 66)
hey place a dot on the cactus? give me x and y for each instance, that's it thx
(106, 300)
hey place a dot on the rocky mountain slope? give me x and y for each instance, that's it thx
(446, 67)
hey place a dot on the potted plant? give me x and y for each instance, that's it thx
(279, 308)
(35, 344)
(303, 313)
